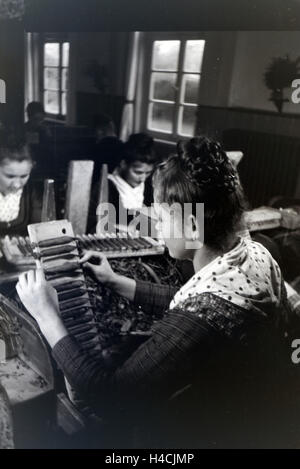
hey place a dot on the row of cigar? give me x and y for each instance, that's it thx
(112, 245)
(59, 258)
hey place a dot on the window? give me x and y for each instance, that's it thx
(175, 74)
(55, 77)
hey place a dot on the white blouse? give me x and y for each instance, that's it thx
(10, 206)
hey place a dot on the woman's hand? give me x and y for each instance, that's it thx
(40, 299)
(98, 265)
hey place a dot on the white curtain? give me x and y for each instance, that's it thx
(31, 68)
(127, 120)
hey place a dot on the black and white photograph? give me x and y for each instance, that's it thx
(149, 227)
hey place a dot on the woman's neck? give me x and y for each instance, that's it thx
(206, 254)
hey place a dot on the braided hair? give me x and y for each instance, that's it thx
(201, 172)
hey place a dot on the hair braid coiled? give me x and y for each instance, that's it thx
(206, 165)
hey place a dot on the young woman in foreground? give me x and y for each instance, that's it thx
(210, 374)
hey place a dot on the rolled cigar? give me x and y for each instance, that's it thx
(134, 243)
(25, 245)
(55, 241)
(106, 241)
(99, 244)
(28, 243)
(72, 303)
(143, 243)
(67, 257)
(74, 309)
(66, 267)
(122, 241)
(89, 344)
(131, 244)
(22, 247)
(83, 318)
(81, 328)
(61, 289)
(83, 245)
(53, 277)
(70, 294)
(116, 246)
(92, 348)
(119, 245)
(57, 250)
(86, 336)
(80, 314)
(86, 242)
(67, 283)
(103, 244)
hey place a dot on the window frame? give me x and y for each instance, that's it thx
(145, 73)
(61, 39)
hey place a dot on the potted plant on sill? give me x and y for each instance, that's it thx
(279, 75)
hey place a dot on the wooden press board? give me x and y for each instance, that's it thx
(56, 231)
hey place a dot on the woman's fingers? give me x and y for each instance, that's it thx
(23, 280)
(31, 278)
(90, 266)
(87, 256)
(94, 256)
(28, 280)
(40, 276)
(19, 289)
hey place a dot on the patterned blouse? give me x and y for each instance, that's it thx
(10, 205)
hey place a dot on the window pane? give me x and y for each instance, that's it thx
(64, 78)
(165, 55)
(160, 117)
(189, 91)
(193, 56)
(187, 120)
(64, 104)
(51, 78)
(163, 86)
(65, 54)
(51, 54)
(51, 102)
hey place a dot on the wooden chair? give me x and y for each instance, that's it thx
(103, 186)
(79, 185)
(49, 206)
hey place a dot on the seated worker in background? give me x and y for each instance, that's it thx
(36, 128)
(108, 147)
(20, 202)
(129, 186)
(214, 373)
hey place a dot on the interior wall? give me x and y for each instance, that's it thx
(12, 72)
(108, 51)
(217, 68)
(254, 52)
(233, 93)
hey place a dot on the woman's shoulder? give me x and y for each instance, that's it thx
(217, 314)
(209, 301)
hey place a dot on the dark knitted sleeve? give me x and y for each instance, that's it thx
(159, 365)
(152, 297)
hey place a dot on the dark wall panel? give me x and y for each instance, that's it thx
(12, 72)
